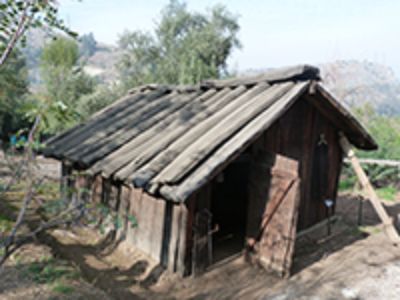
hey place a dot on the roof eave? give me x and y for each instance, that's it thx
(363, 140)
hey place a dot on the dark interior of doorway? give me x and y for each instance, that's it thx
(229, 209)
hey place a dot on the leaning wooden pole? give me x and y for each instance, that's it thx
(372, 196)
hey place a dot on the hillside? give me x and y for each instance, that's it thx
(356, 82)
(102, 64)
(99, 63)
(360, 82)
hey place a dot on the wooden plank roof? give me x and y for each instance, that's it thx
(170, 140)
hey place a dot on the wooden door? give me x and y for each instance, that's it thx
(278, 226)
(202, 247)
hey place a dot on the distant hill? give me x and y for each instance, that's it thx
(100, 63)
(354, 82)
(359, 82)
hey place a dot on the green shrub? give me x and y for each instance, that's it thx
(62, 288)
(49, 271)
(387, 193)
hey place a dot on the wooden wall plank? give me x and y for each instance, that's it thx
(295, 135)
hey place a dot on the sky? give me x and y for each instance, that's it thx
(273, 33)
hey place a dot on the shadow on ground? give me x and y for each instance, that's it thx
(139, 279)
(130, 281)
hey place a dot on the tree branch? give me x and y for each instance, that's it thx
(23, 21)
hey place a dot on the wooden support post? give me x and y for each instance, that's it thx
(370, 192)
(360, 211)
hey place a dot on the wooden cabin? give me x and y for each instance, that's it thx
(223, 167)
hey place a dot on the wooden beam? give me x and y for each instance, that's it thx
(317, 226)
(378, 162)
(370, 192)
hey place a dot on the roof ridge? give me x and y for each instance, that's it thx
(292, 73)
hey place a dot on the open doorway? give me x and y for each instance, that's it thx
(229, 209)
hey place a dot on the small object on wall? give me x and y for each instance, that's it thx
(329, 205)
(322, 140)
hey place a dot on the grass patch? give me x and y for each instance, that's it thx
(49, 190)
(6, 224)
(56, 273)
(50, 271)
(387, 193)
(356, 230)
(62, 288)
(370, 229)
(346, 184)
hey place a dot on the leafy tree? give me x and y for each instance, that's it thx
(13, 87)
(185, 48)
(65, 83)
(17, 16)
(61, 53)
(88, 45)
(100, 98)
(385, 129)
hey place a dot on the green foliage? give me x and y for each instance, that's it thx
(53, 272)
(49, 189)
(88, 45)
(49, 271)
(65, 83)
(62, 288)
(347, 183)
(6, 224)
(53, 206)
(102, 96)
(104, 212)
(16, 17)
(132, 219)
(13, 87)
(61, 53)
(387, 193)
(186, 47)
(384, 129)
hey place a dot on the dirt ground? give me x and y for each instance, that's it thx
(34, 273)
(354, 262)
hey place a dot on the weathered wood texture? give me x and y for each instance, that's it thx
(97, 188)
(304, 135)
(342, 118)
(202, 242)
(294, 73)
(200, 222)
(258, 189)
(377, 162)
(171, 140)
(279, 221)
(161, 226)
(297, 135)
(219, 110)
(232, 148)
